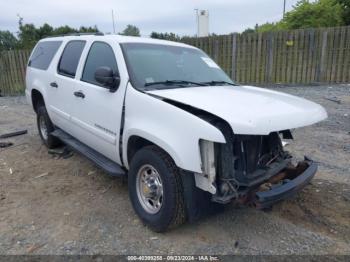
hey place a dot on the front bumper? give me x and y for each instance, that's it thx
(265, 199)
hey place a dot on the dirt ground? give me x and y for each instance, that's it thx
(50, 205)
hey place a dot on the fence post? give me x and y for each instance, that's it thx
(1, 75)
(322, 66)
(269, 66)
(234, 60)
(216, 50)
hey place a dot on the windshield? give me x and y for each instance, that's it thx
(154, 66)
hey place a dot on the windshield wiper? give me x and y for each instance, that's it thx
(175, 82)
(213, 83)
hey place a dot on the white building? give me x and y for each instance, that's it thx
(203, 23)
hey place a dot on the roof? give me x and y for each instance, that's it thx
(117, 38)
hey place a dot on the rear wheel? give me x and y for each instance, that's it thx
(45, 128)
(156, 190)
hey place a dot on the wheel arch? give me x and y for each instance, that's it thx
(37, 99)
(137, 141)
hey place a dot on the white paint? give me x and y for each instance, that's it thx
(175, 130)
(249, 110)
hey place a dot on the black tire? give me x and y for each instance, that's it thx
(49, 140)
(172, 211)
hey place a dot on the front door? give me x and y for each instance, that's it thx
(97, 111)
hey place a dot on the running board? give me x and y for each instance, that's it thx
(101, 161)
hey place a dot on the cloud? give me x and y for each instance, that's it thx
(176, 16)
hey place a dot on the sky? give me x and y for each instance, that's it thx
(177, 16)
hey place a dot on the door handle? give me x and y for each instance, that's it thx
(79, 94)
(53, 84)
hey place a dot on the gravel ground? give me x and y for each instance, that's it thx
(50, 205)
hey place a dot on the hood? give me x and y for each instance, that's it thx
(249, 110)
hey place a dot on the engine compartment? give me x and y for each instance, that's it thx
(246, 164)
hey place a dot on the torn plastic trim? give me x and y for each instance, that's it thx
(206, 180)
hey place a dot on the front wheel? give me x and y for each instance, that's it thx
(155, 189)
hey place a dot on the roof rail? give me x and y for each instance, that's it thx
(77, 34)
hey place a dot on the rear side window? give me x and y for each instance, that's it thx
(70, 58)
(100, 54)
(43, 54)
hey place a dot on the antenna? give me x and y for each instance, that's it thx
(284, 8)
(113, 22)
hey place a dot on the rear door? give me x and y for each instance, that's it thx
(63, 83)
(97, 111)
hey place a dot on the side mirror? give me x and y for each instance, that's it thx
(104, 75)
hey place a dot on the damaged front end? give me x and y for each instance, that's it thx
(248, 169)
(254, 169)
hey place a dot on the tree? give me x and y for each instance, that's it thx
(7, 41)
(322, 13)
(306, 14)
(268, 27)
(166, 36)
(64, 30)
(45, 30)
(345, 4)
(29, 35)
(248, 31)
(131, 30)
(89, 29)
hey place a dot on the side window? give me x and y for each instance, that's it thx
(100, 54)
(43, 54)
(70, 58)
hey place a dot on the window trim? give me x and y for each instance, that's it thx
(36, 46)
(59, 62)
(86, 58)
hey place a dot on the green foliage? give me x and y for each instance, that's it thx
(28, 34)
(322, 13)
(248, 30)
(268, 27)
(306, 14)
(64, 30)
(7, 41)
(345, 4)
(166, 36)
(131, 30)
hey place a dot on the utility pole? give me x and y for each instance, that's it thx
(284, 7)
(197, 20)
(113, 22)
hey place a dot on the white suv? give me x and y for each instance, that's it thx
(163, 113)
